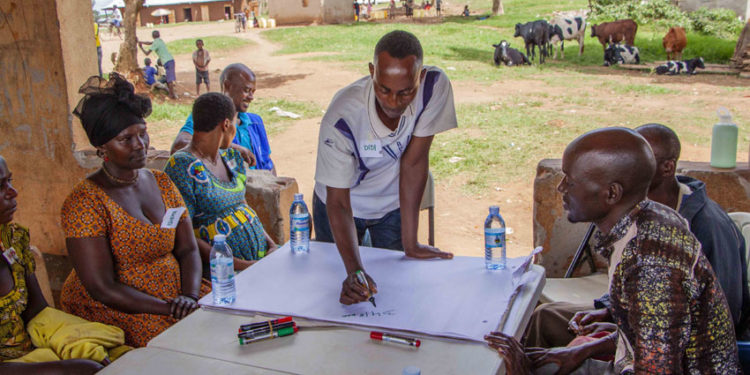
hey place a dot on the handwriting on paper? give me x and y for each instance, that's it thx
(370, 314)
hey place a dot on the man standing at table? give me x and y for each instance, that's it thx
(373, 157)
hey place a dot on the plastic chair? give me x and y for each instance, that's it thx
(742, 220)
(428, 203)
(577, 290)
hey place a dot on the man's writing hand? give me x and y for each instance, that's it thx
(354, 292)
(426, 252)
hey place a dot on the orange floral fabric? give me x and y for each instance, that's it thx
(141, 253)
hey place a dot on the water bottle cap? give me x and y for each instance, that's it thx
(494, 210)
(725, 116)
(298, 197)
(220, 238)
(411, 370)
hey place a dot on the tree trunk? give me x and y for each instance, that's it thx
(743, 43)
(497, 7)
(127, 59)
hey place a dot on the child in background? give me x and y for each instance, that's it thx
(149, 72)
(201, 58)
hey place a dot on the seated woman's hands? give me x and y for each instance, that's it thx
(181, 306)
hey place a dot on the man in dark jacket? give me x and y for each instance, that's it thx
(721, 240)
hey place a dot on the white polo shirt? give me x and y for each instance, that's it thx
(357, 151)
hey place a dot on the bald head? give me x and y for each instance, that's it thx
(235, 71)
(615, 155)
(663, 141)
(238, 82)
(607, 171)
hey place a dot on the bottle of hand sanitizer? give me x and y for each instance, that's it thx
(724, 141)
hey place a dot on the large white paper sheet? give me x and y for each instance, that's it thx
(456, 298)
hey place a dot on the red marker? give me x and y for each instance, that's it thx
(380, 336)
(252, 326)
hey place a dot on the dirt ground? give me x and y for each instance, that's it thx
(459, 216)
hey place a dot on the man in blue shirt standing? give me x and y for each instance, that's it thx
(238, 82)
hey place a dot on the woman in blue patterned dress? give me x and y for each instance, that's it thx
(211, 178)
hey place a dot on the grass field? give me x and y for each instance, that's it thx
(502, 141)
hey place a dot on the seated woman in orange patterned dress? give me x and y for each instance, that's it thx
(128, 235)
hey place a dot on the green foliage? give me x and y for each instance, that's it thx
(718, 22)
(211, 43)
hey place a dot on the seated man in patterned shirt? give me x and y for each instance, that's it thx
(666, 303)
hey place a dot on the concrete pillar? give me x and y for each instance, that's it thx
(47, 50)
(730, 188)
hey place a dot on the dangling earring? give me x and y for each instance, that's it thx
(102, 155)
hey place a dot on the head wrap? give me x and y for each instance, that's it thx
(110, 107)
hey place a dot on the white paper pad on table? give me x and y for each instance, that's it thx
(455, 298)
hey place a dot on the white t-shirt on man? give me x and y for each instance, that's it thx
(357, 151)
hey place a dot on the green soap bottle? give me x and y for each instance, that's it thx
(724, 141)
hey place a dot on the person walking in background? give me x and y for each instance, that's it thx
(160, 48)
(98, 47)
(201, 58)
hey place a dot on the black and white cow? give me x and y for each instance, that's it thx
(509, 56)
(570, 28)
(684, 67)
(534, 33)
(618, 53)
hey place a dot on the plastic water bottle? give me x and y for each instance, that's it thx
(299, 226)
(222, 272)
(494, 240)
(724, 141)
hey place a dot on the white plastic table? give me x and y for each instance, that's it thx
(206, 340)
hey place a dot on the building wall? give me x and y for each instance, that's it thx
(294, 11)
(741, 7)
(35, 121)
(215, 12)
(338, 11)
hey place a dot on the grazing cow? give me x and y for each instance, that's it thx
(618, 53)
(535, 33)
(615, 32)
(570, 28)
(685, 67)
(509, 56)
(674, 42)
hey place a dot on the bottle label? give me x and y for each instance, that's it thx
(300, 222)
(494, 237)
(222, 269)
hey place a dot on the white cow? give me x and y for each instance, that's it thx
(567, 28)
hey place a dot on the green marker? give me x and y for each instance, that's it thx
(363, 281)
(269, 335)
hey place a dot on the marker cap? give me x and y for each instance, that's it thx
(376, 335)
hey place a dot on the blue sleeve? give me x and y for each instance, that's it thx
(177, 170)
(264, 161)
(188, 127)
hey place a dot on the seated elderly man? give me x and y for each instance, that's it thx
(238, 82)
(720, 240)
(668, 310)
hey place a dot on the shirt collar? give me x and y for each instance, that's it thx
(244, 119)
(604, 242)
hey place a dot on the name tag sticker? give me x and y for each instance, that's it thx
(10, 255)
(371, 149)
(172, 217)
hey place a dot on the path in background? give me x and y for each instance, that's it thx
(459, 215)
